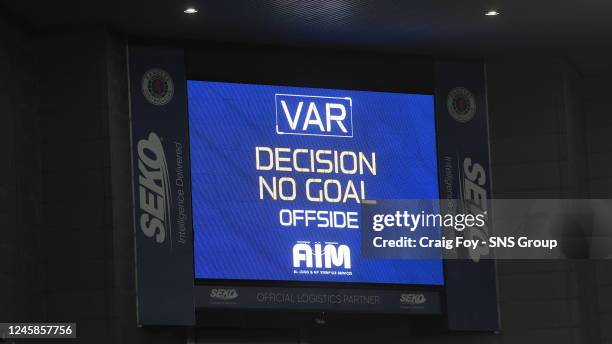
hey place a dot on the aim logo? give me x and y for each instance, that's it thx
(329, 256)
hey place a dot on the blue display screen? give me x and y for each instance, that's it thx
(278, 174)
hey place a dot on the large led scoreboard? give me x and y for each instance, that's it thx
(279, 171)
(247, 195)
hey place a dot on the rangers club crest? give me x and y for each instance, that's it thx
(157, 86)
(461, 104)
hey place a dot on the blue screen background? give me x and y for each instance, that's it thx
(238, 236)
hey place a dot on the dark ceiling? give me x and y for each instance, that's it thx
(449, 27)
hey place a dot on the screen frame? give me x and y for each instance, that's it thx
(322, 68)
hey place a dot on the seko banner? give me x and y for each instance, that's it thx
(465, 185)
(161, 187)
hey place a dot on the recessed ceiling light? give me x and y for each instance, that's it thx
(492, 13)
(190, 10)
